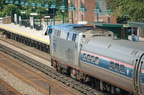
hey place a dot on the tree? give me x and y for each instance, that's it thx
(134, 9)
(10, 9)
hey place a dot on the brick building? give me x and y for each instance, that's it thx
(89, 16)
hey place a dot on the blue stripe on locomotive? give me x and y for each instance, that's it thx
(105, 64)
(142, 76)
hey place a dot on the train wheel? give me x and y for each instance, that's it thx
(82, 81)
(51, 62)
(73, 73)
(108, 87)
(93, 83)
(54, 63)
(58, 68)
(113, 91)
(97, 86)
(122, 92)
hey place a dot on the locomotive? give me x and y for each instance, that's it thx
(96, 57)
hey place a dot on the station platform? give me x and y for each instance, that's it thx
(26, 32)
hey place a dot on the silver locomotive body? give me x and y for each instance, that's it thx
(64, 46)
(89, 55)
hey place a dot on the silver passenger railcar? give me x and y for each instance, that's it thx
(113, 61)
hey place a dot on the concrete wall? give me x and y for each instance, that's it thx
(6, 20)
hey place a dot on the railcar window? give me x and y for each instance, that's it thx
(84, 56)
(92, 59)
(88, 58)
(116, 66)
(122, 67)
(96, 60)
(111, 65)
(74, 37)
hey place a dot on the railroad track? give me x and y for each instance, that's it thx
(6, 89)
(41, 83)
(42, 65)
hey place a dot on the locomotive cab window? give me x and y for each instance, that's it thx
(116, 66)
(74, 37)
(111, 65)
(57, 33)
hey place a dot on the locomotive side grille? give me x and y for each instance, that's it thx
(71, 54)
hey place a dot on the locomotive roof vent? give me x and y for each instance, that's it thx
(83, 27)
(134, 52)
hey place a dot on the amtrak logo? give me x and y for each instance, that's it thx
(127, 71)
(54, 46)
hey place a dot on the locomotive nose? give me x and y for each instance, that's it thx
(138, 76)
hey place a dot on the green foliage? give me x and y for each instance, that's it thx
(10, 9)
(41, 12)
(134, 9)
(1, 4)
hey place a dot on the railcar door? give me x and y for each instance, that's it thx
(138, 76)
(142, 78)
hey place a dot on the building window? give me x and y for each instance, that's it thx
(111, 65)
(116, 66)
